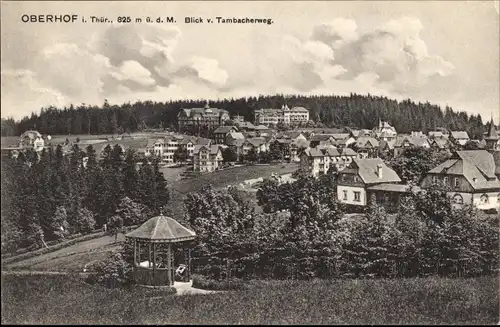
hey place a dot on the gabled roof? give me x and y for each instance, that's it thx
(418, 141)
(213, 149)
(162, 229)
(439, 142)
(437, 134)
(459, 134)
(389, 144)
(207, 111)
(203, 141)
(477, 166)
(367, 170)
(225, 129)
(481, 159)
(364, 141)
(188, 139)
(340, 136)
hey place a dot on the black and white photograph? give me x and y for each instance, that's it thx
(250, 162)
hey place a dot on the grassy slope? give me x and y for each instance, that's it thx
(48, 299)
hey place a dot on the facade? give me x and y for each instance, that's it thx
(469, 178)
(318, 161)
(209, 117)
(407, 141)
(258, 144)
(323, 140)
(354, 181)
(31, 140)
(207, 158)
(285, 115)
(164, 148)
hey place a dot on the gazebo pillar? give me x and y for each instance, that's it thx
(154, 264)
(169, 263)
(135, 252)
(149, 252)
(138, 253)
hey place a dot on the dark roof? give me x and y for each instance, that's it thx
(162, 229)
(492, 133)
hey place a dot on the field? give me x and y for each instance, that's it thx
(72, 258)
(218, 179)
(46, 299)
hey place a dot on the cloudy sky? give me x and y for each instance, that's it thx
(441, 52)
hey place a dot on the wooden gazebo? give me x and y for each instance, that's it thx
(155, 233)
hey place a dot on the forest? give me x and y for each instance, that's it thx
(57, 196)
(356, 111)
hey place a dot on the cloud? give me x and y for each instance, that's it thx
(133, 71)
(23, 84)
(336, 32)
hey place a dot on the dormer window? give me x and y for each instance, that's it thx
(484, 199)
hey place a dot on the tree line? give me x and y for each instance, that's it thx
(50, 196)
(304, 234)
(357, 111)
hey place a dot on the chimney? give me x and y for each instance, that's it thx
(379, 170)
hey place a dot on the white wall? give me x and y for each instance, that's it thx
(475, 199)
(350, 194)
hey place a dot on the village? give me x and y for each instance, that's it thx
(471, 174)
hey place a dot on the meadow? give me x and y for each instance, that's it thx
(47, 299)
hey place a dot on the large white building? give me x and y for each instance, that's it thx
(285, 115)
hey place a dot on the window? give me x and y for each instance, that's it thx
(343, 179)
(345, 194)
(458, 199)
(445, 181)
(455, 181)
(434, 179)
(484, 199)
(355, 179)
(357, 196)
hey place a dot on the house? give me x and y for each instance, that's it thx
(470, 177)
(385, 129)
(258, 144)
(324, 140)
(388, 195)
(32, 140)
(438, 134)
(367, 147)
(285, 115)
(263, 131)
(461, 137)
(406, 141)
(221, 132)
(317, 161)
(165, 148)
(492, 139)
(386, 147)
(356, 182)
(290, 143)
(209, 117)
(187, 144)
(207, 158)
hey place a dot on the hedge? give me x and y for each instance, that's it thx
(56, 247)
(230, 284)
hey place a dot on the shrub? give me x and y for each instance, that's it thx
(205, 283)
(113, 272)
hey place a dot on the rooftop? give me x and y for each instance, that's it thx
(162, 229)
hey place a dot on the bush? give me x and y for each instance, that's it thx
(113, 272)
(230, 284)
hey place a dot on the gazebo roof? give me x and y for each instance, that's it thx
(162, 229)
